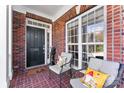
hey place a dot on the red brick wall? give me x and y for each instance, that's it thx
(40, 18)
(59, 27)
(123, 32)
(18, 42)
(113, 33)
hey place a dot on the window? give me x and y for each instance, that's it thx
(72, 35)
(92, 34)
(85, 35)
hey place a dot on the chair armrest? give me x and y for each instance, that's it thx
(113, 84)
(65, 64)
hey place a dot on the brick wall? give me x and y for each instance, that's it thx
(114, 28)
(59, 27)
(18, 42)
(19, 22)
(121, 84)
(123, 32)
(113, 33)
(40, 18)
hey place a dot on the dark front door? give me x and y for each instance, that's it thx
(35, 46)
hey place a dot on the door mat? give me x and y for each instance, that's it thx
(37, 70)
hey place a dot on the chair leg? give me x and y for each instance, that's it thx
(60, 80)
(70, 73)
(49, 74)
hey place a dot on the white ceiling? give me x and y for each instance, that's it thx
(50, 11)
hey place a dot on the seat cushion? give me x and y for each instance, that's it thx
(95, 63)
(76, 83)
(110, 68)
(57, 69)
(94, 79)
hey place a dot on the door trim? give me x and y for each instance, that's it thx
(46, 31)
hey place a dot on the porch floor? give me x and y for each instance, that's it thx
(39, 80)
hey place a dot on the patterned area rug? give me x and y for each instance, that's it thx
(39, 80)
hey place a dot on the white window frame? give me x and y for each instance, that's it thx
(79, 34)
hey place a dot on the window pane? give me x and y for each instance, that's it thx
(76, 55)
(76, 62)
(84, 38)
(91, 48)
(76, 39)
(84, 29)
(76, 31)
(99, 15)
(69, 33)
(69, 39)
(84, 20)
(99, 36)
(90, 37)
(90, 18)
(84, 57)
(99, 48)
(76, 47)
(84, 48)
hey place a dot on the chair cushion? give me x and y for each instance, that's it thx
(76, 83)
(95, 63)
(57, 69)
(110, 68)
(94, 79)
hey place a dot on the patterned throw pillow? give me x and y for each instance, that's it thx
(94, 79)
(61, 61)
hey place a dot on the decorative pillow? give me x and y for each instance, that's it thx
(94, 79)
(61, 61)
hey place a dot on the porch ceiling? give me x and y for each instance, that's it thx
(52, 11)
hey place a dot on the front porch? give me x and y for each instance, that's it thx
(83, 42)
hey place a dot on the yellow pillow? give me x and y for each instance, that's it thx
(97, 78)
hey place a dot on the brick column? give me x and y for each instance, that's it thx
(18, 42)
(123, 33)
(114, 33)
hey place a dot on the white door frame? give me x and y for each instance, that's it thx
(46, 31)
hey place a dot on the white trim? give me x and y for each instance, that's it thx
(79, 34)
(105, 33)
(10, 41)
(3, 48)
(46, 30)
(79, 44)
